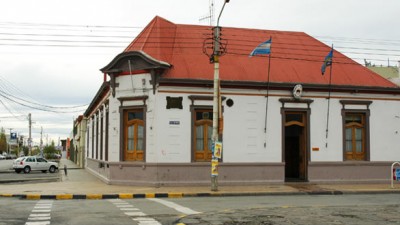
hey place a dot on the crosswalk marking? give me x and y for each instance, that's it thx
(41, 210)
(135, 213)
(39, 218)
(129, 209)
(38, 223)
(175, 206)
(40, 213)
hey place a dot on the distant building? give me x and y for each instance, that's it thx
(150, 122)
(391, 73)
(79, 137)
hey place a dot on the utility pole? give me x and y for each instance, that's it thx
(41, 137)
(30, 134)
(216, 96)
(41, 141)
(9, 142)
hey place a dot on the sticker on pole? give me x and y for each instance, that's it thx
(396, 174)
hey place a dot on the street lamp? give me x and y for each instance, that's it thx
(216, 95)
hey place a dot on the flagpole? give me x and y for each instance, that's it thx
(269, 69)
(329, 101)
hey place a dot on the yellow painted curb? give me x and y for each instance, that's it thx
(94, 196)
(33, 196)
(6, 195)
(64, 196)
(125, 196)
(150, 195)
(175, 195)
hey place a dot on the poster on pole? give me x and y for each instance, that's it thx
(214, 167)
(217, 150)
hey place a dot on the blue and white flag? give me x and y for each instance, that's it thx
(262, 49)
(327, 61)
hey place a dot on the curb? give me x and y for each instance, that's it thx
(30, 180)
(182, 195)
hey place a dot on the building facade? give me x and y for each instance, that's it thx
(79, 141)
(151, 121)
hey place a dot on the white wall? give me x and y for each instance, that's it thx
(114, 130)
(318, 122)
(244, 139)
(172, 142)
(385, 131)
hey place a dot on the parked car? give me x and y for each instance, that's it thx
(11, 156)
(53, 156)
(2, 157)
(29, 163)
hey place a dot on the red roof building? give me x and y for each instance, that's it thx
(150, 123)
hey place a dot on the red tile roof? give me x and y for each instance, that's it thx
(296, 57)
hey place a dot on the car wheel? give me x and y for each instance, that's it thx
(27, 169)
(52, 169)
(18, 171)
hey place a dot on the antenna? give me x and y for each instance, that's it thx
(211, 13)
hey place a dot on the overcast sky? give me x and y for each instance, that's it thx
(51, 50)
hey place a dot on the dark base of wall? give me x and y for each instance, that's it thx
(194, 174)
(349, 172)
(185, 174)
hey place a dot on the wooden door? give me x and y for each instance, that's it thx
(134, 136)
(295, 134)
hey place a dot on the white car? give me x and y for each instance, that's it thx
(2, 157)
(29, 163)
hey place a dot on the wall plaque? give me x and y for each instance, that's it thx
(174, 102)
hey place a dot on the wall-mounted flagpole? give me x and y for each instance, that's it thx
(265, 49)
(269, 69)
(328, 62)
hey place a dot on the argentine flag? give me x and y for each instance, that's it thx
(262, 49)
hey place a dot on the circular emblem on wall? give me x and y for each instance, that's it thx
(297, 91)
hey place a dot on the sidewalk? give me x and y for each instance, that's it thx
(80, 184)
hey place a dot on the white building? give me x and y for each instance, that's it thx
(150, 122)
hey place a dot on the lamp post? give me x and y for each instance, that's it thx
(216, 95)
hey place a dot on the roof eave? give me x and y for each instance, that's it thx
(101, 92)
(151, 63)
(272, 85)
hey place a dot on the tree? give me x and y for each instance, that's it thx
(3, 141)
(49, 151)
(25, 149)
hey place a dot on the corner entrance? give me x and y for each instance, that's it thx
(295, 145)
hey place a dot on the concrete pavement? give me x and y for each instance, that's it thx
(80, 184)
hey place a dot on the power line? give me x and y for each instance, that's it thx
(6, 94)
(109, 40)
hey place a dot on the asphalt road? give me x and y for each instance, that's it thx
(347, 209)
